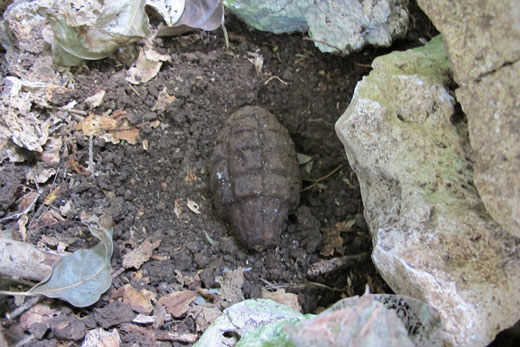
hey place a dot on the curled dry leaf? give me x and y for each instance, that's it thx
(147, 66)
(140, 255)
(108, 128)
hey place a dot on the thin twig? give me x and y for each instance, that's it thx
(277, 78)
(323, 178)
(90, 167)
(24, 307)
(70, 110)
(25, 341)
(53, 185)
(226, 36)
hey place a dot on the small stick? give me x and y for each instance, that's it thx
(24, 307)
(277, 78)
(322, 178)
(90, 167)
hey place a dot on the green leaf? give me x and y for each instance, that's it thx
(81, 278)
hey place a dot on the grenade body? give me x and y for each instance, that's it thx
(255, 176)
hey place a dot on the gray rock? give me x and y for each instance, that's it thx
(433, 238)
(335, 26)
(483, 44)
(282, 16)
(479, 36)
(492, 105)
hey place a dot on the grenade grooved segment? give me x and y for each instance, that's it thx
(255, 176)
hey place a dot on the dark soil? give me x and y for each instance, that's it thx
(140, 187)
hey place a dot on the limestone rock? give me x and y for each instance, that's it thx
(483, 43)
(433, 238)
(335, 26)
(479, 36)
(492, 105)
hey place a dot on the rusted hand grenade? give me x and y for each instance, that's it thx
(255, 176)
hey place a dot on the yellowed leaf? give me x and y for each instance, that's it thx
(49, 199)
(109, 128)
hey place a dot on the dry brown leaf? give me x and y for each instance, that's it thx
(95, 100)
(204, 315)
(163, 100)
(77, 167)
(147, 66)
(332, 240)
(108, 128)
(140, 255)
(281, 297)
(139, 301)
(178, 303)
(231, 283)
